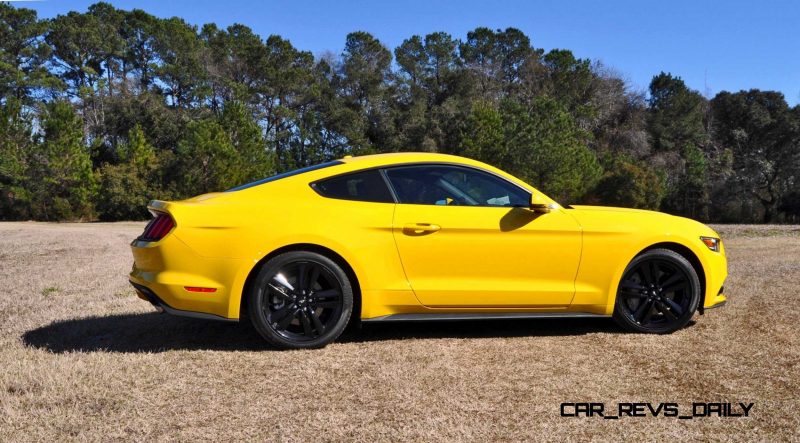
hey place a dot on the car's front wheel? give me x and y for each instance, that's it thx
(300, 299)
(658, 293)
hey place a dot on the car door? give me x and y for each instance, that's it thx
(466, 238)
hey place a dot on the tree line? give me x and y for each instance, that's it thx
(104, 110)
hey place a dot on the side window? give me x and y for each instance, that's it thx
(454, 185)
(366, 186)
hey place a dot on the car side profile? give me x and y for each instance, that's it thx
(418, 236)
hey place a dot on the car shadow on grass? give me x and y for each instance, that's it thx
(152, 332)
(149, 332)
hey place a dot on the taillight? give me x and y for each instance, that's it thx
(158, 227)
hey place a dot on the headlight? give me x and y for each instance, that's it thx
(711, 242)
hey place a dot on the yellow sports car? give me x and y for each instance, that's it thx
(417, 236)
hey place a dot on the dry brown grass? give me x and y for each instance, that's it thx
(84, 359)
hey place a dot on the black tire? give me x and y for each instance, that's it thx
(300, 300)
(658, 293)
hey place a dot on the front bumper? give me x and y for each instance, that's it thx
(715, 265)
(716, 301)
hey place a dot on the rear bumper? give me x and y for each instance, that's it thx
(163, 270)
(146, 294)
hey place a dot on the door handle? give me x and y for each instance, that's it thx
(420, 228)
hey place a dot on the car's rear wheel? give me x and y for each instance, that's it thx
(658, 293)
(300, 299)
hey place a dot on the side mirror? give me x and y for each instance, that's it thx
(538, 206)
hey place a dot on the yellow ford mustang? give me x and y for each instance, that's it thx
(414, 236)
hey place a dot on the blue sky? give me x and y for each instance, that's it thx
(712, 45)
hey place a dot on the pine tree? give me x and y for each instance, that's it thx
(60, 179)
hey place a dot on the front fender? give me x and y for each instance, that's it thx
(613, 238)
(712, 272)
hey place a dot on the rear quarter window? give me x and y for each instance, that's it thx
(367, 186)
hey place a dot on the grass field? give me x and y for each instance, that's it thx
(83, 359)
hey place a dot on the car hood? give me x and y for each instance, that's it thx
(608, 218)
(586, 208)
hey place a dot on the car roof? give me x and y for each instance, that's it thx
(405, 157)
(402, 158)
(356, 163)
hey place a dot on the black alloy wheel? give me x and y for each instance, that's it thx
(658, 293)
(301, 300)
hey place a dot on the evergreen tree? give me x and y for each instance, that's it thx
(127, 187)
(677, 126)
(60, 179)
(207, 161)
(15, 146)
(245, 137)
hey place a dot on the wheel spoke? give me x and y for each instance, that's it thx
(628, 284)
(301, 276)
(306, 324)
(629, 293)
(642, 311)
(281, 280)
(675, 287)
(313, 278)
(326, 304)
(631, 289)
(655, 270)
(281, 313)
(674, 307)
(328, 293)
(647, 275)
(317, 324)
(647, 316)
(666, 311)
(280, 292)
(284, 322)
(674, 278)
